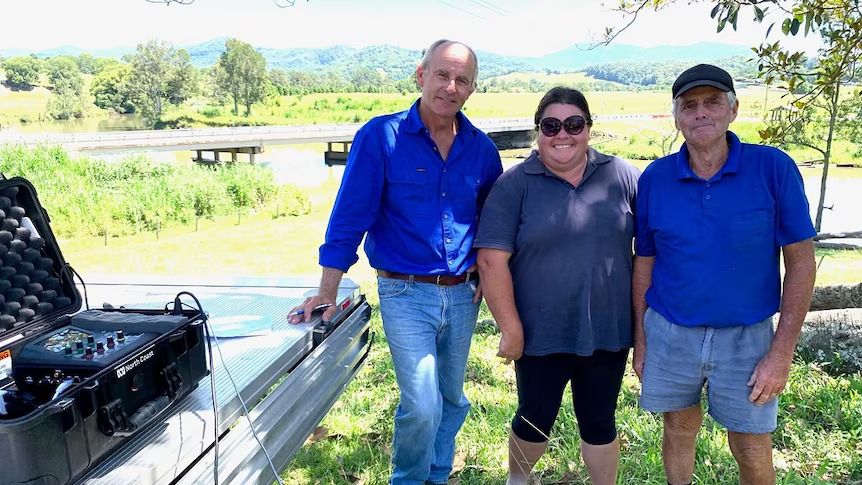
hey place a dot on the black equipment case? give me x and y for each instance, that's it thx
(75, 386)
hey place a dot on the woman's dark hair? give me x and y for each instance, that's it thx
(561, 95)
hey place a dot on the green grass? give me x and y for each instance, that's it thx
(818, 440)
(820, 427)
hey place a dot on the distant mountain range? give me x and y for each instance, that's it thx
(398, 62)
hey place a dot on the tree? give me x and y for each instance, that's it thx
(69, 97)
(817, 110)
(63, 72)
(22, 72)
(184, 81)
(160, 75)
(242, 74)
(112, 89)
(87, 64)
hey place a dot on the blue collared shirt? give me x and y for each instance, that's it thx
(716, 242)
(418, 212)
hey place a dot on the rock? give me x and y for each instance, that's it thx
(836, 297)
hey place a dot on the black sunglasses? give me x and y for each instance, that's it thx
(573, 125)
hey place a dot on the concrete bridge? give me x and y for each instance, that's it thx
(507, 133)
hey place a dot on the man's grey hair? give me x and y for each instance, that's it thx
(429, 52)
(731, 101)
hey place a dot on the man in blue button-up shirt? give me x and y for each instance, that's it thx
(414, 185)
(711, 222)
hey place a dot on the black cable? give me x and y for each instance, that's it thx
(69, 271)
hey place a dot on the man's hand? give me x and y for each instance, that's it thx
(638, 358)
(769, 378)
(511, 346)
(477, 295)
(312, 305)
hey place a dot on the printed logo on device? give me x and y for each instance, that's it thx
(130, 365)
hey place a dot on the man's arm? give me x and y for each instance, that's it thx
(641, 281)
(499, 292)
(770, 374)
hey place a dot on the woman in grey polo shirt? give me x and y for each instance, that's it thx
(555, 259)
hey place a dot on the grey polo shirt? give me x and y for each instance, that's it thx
(571, 251)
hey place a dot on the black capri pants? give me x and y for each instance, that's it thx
(595, 380)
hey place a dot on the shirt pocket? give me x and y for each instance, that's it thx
(752, 229)
(408, 190)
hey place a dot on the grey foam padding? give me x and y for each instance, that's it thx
(10, 224)
(26, 314)
(25, 267)
(36, 243)
(39, 275)
(30, 301)
(11, 259)
(14, 294)
(16, 211)
(17, 246)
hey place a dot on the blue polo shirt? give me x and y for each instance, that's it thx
(418, 213)
(716, 242)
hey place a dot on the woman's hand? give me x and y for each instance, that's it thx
(511, 346)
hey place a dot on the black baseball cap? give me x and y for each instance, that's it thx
(702, 75)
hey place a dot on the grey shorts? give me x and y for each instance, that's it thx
(680, 360)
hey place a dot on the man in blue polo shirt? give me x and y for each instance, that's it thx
(711, 222)
(414, 186)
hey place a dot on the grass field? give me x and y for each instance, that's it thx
(819, 440)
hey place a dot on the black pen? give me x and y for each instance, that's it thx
(322, 306)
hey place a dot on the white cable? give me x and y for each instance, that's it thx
(211, 333)
(244, 407)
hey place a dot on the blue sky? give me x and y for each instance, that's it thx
(511, 27)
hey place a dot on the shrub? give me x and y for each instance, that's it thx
(834, 341)
(91, 197)
(292, 202)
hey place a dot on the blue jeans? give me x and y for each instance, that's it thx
(428, 328)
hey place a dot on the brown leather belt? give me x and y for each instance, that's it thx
(439, 280)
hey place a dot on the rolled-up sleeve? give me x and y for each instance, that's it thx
(358, 200)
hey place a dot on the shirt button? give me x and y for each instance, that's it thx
(448, 239)
(451, 261)
(435, 149)
(444, 194)
(445, 216)
(708, 196)
(709, 185)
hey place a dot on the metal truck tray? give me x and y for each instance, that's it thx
(290, 374)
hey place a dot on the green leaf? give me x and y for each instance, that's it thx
(794, 26)
(758, 14)
(715, 10)
(769, 29)
(785, 26)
